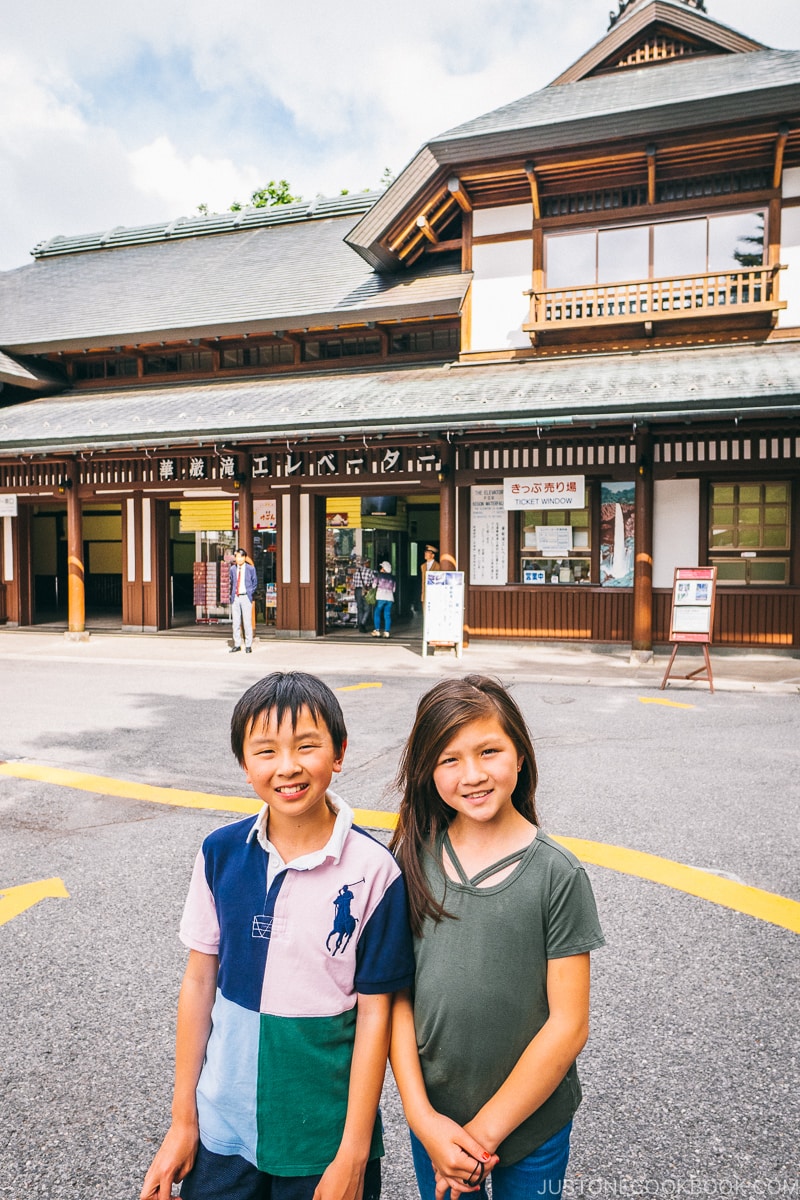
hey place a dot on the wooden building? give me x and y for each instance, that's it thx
(564, 346)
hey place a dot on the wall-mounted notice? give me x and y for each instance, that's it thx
(545, 491)
(554, 541)
(488, 563)
(8, 506)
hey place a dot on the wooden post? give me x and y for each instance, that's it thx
(76, 585)
(447, 507)
(642, 640)
(245, 539)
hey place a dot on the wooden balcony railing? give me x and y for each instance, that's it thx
(750, 290)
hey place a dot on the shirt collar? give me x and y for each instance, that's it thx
(331, 850)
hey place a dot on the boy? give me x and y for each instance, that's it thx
(297, 932)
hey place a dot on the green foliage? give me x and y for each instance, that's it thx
(277, 191)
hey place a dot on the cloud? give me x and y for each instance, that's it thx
(159, 170)
(127, 114)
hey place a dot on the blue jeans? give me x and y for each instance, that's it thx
(540, 1176)
(383, 609)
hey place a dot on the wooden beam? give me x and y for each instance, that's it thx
(461, 198)
(530, 171)
(427, 229)
(780, 146)
(443, 247)
(650, 151)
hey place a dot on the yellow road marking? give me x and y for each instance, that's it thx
(765, 906)
(15, 900)
(129, 791)
(356, 687)
(666, 703)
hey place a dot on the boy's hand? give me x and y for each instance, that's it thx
(343, 1180)
(172, 1163)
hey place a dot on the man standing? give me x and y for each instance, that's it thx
(243, 586)
(363, 580)
(429, 564)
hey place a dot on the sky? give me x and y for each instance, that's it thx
(114, 113)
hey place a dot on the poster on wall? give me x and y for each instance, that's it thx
(8, 506)
(488, 545)
(265, 514)
(616, 534)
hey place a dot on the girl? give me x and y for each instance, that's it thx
(504, 919)
(384, 590)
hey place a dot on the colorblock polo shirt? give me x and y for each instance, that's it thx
(296, 945)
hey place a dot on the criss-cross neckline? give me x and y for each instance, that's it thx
(509, 860)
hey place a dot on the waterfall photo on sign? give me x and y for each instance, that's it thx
(616, 534)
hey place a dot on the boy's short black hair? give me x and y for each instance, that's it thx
(284, 692)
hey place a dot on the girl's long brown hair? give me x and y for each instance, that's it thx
(423, 815)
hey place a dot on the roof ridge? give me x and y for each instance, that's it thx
(204, 224)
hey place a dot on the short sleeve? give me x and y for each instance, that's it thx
(385, 953)
(573, 926)
(199, 929)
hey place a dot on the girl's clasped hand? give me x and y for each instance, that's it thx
(504, 918)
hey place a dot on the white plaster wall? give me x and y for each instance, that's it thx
(510, 219)
(676, 527)
(789, 280)
(501, 275)
(790, 185)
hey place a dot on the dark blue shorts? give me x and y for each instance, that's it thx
(229, 1177)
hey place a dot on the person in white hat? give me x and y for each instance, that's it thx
(385, 585)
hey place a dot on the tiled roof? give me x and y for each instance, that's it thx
(271, 276)
(196, 226)
(641, 103)
(656, 383)
(640, 93)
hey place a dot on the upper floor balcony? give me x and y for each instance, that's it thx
(748, 292)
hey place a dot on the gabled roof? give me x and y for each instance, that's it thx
(700, 383)
(680, 95)
(690, 28)
(146, 286)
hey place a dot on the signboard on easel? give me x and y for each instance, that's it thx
(692, 615)
(443, 613)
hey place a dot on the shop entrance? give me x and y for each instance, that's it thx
(102, 559)
(370, 530)
(203, 535)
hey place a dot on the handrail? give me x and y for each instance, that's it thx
(750, 289)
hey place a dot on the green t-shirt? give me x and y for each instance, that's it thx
(480, 993)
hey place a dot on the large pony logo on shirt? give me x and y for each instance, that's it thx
(344, 923)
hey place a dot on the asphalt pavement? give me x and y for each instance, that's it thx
(690, 1074)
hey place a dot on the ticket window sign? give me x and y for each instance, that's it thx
(544, 491)
(533, 576)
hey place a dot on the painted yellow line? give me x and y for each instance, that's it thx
(129, 791)
(356, 687)
(766, 906)
(666, 703)
(15, 900)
